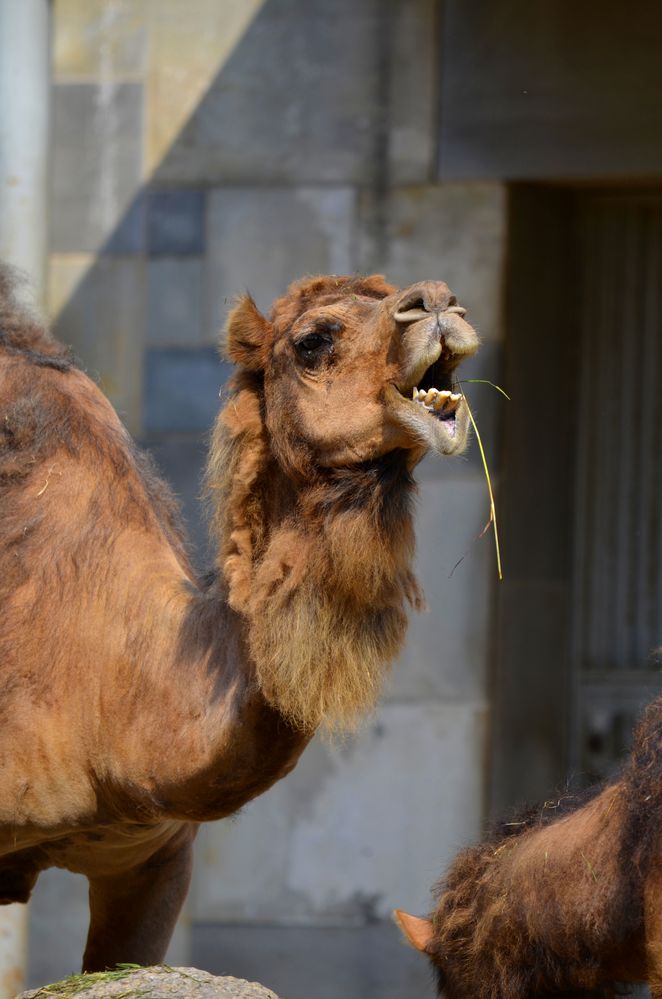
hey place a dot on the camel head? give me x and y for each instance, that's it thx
(354, 368)
(338, 394)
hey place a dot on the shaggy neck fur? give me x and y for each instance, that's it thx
(319, 568)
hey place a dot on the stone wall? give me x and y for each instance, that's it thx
(201, 148)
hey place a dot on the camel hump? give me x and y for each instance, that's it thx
(21, 329)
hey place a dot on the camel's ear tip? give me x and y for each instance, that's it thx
(418, 931)
(246, 334)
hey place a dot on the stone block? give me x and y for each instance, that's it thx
(161, 981)
(447, 651)
(189, 45)
(260, 239)
(175, 223)
(95, 38)
(293, 96)
(537, 93)
(97, 152)
(182, 389)
(174, 302)
(99, 310)
(413, 75)
(356, 830)
(450, 232)
(359, 962)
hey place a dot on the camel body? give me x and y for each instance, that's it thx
(114, 743)
(566, 901)
(139, 700)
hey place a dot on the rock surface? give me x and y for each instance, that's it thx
(160, 982)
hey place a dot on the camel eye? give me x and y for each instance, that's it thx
(313, 347)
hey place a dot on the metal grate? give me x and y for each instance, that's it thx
(619, 473)
(618, 541)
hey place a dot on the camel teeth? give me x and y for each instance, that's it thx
(436, 399)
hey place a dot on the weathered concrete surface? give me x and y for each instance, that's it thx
(326, 846)
(98, 308)
(260, 239)
(452, 232)
(155, 983)
(97, 163)
(306, 962)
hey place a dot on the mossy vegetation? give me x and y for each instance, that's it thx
(76, 984)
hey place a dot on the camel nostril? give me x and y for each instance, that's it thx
(419, 302)
(439, 302)
(413, 302)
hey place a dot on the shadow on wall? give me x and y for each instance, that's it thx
(258, 187)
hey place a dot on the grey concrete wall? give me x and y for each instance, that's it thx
(544, 91)
(284, 143)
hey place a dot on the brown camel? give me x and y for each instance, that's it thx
(139, 700)
(565, 902)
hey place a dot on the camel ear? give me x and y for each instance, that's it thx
(417, 931)
(247, 335)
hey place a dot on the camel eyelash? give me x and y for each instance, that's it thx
(316, 343)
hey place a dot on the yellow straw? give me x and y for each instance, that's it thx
(493, 516)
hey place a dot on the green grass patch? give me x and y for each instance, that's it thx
(76, 984)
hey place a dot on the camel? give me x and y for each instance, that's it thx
(140, 700)
(566, 901)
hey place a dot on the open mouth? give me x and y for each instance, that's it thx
(434, 394)
(432, 409)
(428, 403)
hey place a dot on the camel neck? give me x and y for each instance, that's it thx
(321, 575)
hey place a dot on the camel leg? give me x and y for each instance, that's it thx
(133, 913)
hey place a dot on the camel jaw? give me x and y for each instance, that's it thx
(428, 408)
(443, 430)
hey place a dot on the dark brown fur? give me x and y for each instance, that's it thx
(568, 900)
(138, 700)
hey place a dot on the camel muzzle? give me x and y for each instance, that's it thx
(425, 299)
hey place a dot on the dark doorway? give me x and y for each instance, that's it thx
(579, 615)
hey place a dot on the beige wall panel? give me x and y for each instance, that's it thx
(189, 43)
(104, 39)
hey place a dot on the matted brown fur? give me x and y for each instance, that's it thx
(565, 900)
(138, 700)
(326, 592)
